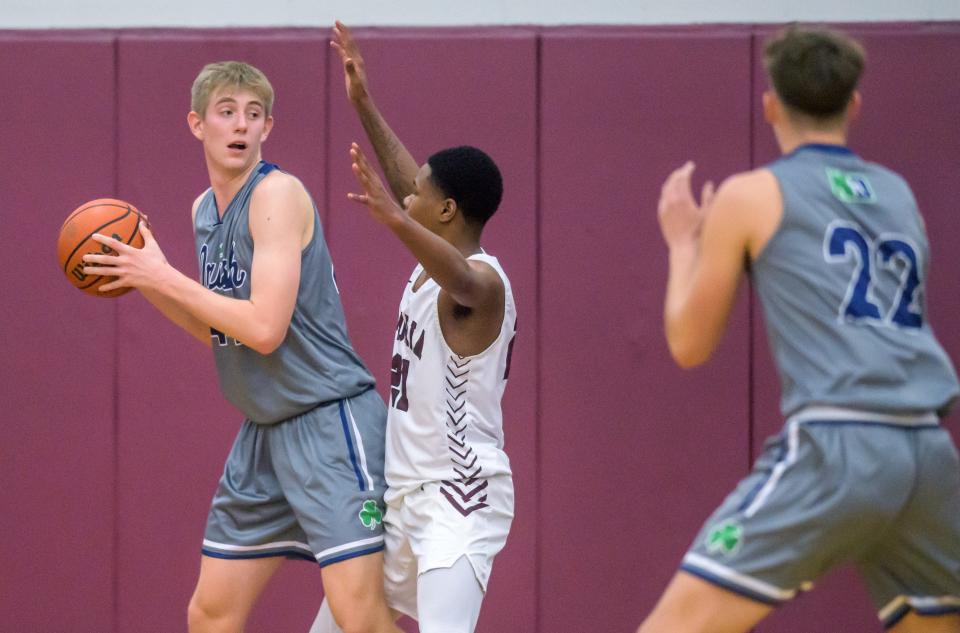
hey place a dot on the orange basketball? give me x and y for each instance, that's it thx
(106, 216)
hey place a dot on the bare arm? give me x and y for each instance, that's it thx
(708, 246)
(193, 326)
(279, 212)
(397, 163)
(469, 283)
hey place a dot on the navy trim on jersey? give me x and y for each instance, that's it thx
(353, 455)
(730, 586)
(280, 552)
(265, 168)
(839, 150)
(349, 555)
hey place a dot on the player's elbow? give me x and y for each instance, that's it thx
(688, 352)
(267, 340)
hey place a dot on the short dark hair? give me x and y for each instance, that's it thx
(814, 70)
(471, 178)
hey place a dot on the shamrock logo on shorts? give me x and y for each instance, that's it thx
(726, 537)
(370, 514)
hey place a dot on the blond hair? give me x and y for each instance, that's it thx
(239, 75)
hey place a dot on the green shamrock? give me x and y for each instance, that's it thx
(370, 514)
(725, 537)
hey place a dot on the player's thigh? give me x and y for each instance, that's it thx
(354, 589)
(449, 598)
(916, 623)
(232, 585)
(692, 605)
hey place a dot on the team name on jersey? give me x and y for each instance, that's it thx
(407, 330)
(223, 273)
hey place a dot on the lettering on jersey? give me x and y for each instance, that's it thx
(222, 273)
(850, 187)
(407, 332)
(222, 339)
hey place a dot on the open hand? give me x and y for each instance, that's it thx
(354, 75)
(132, 267)
(381, 204)
(681, 218)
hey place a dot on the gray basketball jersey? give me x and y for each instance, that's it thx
(316, 361)
(842, 284)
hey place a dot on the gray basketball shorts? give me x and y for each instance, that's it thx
(308, 487)
(836, 486)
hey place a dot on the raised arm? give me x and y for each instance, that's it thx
(469, 283)
(708, 245)
(397, 163)
(280, 214)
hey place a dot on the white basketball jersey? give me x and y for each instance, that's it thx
(444, 422)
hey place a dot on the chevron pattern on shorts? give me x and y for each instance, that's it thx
(465, 492)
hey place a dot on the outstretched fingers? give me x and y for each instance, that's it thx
(361, 171)
(676, 186)
(111, 242)
(343, 43)
(706, 196)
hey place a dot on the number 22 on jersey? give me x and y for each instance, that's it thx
(844, 242)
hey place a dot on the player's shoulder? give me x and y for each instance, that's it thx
(747, 191)
(280, 187)
(279, 182)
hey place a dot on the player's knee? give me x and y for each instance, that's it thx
(361, 616)
(356, 622)
(204, 615)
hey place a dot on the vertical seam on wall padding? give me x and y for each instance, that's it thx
(115, 562)
(326, 218)
(751, 304)
(537, 347)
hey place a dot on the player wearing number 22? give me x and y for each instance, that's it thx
(862, 472)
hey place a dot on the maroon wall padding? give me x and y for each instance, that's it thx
(635, 453)
(439, 89)
(57, 455)
(906, 124)
(175, 428)
(118, 429)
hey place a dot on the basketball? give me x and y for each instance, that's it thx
(106, 216)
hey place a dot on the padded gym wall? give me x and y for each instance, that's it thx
(117, 431)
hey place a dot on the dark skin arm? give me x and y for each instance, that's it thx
(398, 164)
(472, 295)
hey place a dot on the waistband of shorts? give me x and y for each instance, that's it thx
(315, 407)
(841, 415)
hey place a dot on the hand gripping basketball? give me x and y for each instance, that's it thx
(130, 267)
(108, 216)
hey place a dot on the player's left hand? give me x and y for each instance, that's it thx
(354, 72)
(381, 204)
(132, 267)
(681, 218)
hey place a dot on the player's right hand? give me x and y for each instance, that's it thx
(681, 218)
(354, 74)
(381, 204)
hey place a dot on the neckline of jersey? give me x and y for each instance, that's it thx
(263, 167)
(828, 148)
